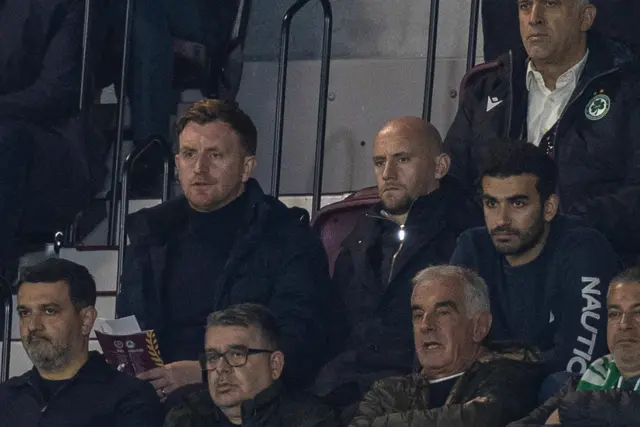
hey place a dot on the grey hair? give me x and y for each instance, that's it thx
(247, 315)
(476, 292)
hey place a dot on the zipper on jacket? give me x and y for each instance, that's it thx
(401, 235)
(46, 405)
(510, 110)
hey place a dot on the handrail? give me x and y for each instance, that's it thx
(124, 200)
(85, 55)
(7, 297)
(473, 34)
(117, 149)
(322, 100)
(427, 103)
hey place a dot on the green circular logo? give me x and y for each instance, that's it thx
(598, 107)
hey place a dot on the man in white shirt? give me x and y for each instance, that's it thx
(574, 94)
(545, 104)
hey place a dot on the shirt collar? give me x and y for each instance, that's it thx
(571, 76)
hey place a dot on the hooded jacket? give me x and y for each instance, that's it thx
(597, 148)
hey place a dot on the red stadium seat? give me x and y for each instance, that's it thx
(335, 221)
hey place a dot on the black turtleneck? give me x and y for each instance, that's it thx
(196, 258)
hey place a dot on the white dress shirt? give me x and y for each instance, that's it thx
(546, 106)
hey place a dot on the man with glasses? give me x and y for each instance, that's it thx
(243, 363)
(225, 242)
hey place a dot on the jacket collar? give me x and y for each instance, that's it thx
(425, 211)
(94, 370)
(262, 401)
(605, 55)
(160, 222)
(568, 78)
(257, 406)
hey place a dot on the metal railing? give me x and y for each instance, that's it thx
(7, 297)
(322, 100)
(117, 149)
(427, 103)
(472, 45)
(129, 163)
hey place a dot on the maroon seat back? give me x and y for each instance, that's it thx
(334, 222)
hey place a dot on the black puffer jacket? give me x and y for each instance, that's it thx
(276, 261)
(598, 160)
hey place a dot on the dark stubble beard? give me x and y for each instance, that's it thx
(529, 238)
(400, 207)
(47, 355)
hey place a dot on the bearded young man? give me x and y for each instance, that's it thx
(68, 385)
(547, 274)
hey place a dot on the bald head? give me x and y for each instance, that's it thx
(408, 162)
(416, 130)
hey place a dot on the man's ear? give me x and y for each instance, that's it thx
(588, 16)
(482, 326)
(250, 163)
(443, 162)
(551, 207)
(88, 317)
(277, 364)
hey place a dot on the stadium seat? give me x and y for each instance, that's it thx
(334, 222)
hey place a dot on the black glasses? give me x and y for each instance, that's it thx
(235, 357)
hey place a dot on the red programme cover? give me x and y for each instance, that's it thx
(134, 353)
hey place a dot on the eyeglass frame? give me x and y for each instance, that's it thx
(247, 350)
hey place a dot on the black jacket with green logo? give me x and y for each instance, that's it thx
(597, 145)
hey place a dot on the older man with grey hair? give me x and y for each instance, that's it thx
(460, 382)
